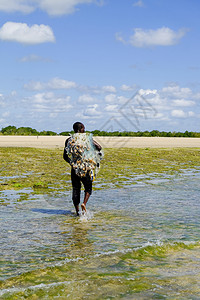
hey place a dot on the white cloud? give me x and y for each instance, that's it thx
(34, 86)
(97, 89)
(139, 3)
(153, 37)
(127, 88)
(150, 107)
(61, 7)
(54, 84)
(160, 116)
(111, 98)
(178, 113)
(22, 33)
(91, 111)
(23, 6)
(160, 104)
(57, 83)
(34, 58)
(52, 7)
(49, 102)
(122, 99)
(84, 99)
(111, 108)
(109, 89)
(147, 92)
(140, 106)
(177, 92)
(42, 98)
(152, 98)
(183, 102)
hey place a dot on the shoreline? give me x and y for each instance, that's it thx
(104, 141)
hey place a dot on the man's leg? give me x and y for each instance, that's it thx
(76, 185)
(83, 205)
(88, 190)
(76, 199)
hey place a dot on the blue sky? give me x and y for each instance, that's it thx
(111, 64)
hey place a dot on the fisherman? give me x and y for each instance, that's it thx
(80, 171)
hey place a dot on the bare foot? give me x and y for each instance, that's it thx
(83, 207)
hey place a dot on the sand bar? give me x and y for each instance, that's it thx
(106, 142)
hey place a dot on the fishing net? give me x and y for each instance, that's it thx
(83, 154)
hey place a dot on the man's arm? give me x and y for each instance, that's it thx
(65, 155)
(97, 146)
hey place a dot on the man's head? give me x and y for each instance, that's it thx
(78, 127)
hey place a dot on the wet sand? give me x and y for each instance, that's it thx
(106, 142)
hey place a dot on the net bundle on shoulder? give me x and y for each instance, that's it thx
(83, 154)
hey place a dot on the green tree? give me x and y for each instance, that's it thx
(26, 131)
(9, 130)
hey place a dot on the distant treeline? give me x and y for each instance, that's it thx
(147, 133)
(12, 130)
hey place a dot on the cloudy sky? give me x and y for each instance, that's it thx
(112, 64)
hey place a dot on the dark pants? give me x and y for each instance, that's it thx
(76, 185)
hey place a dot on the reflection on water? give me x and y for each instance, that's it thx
(139, 242)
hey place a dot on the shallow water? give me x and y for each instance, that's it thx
(139, 242)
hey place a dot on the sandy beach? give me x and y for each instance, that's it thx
(106, 142)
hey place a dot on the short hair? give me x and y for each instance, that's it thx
(77, 126)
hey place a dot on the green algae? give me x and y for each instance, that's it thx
(152, 271)
(41, 169)
(32, 168)
(115, 276)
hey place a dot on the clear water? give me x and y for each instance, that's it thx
(138, 242)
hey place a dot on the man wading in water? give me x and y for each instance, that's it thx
(80, 169)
